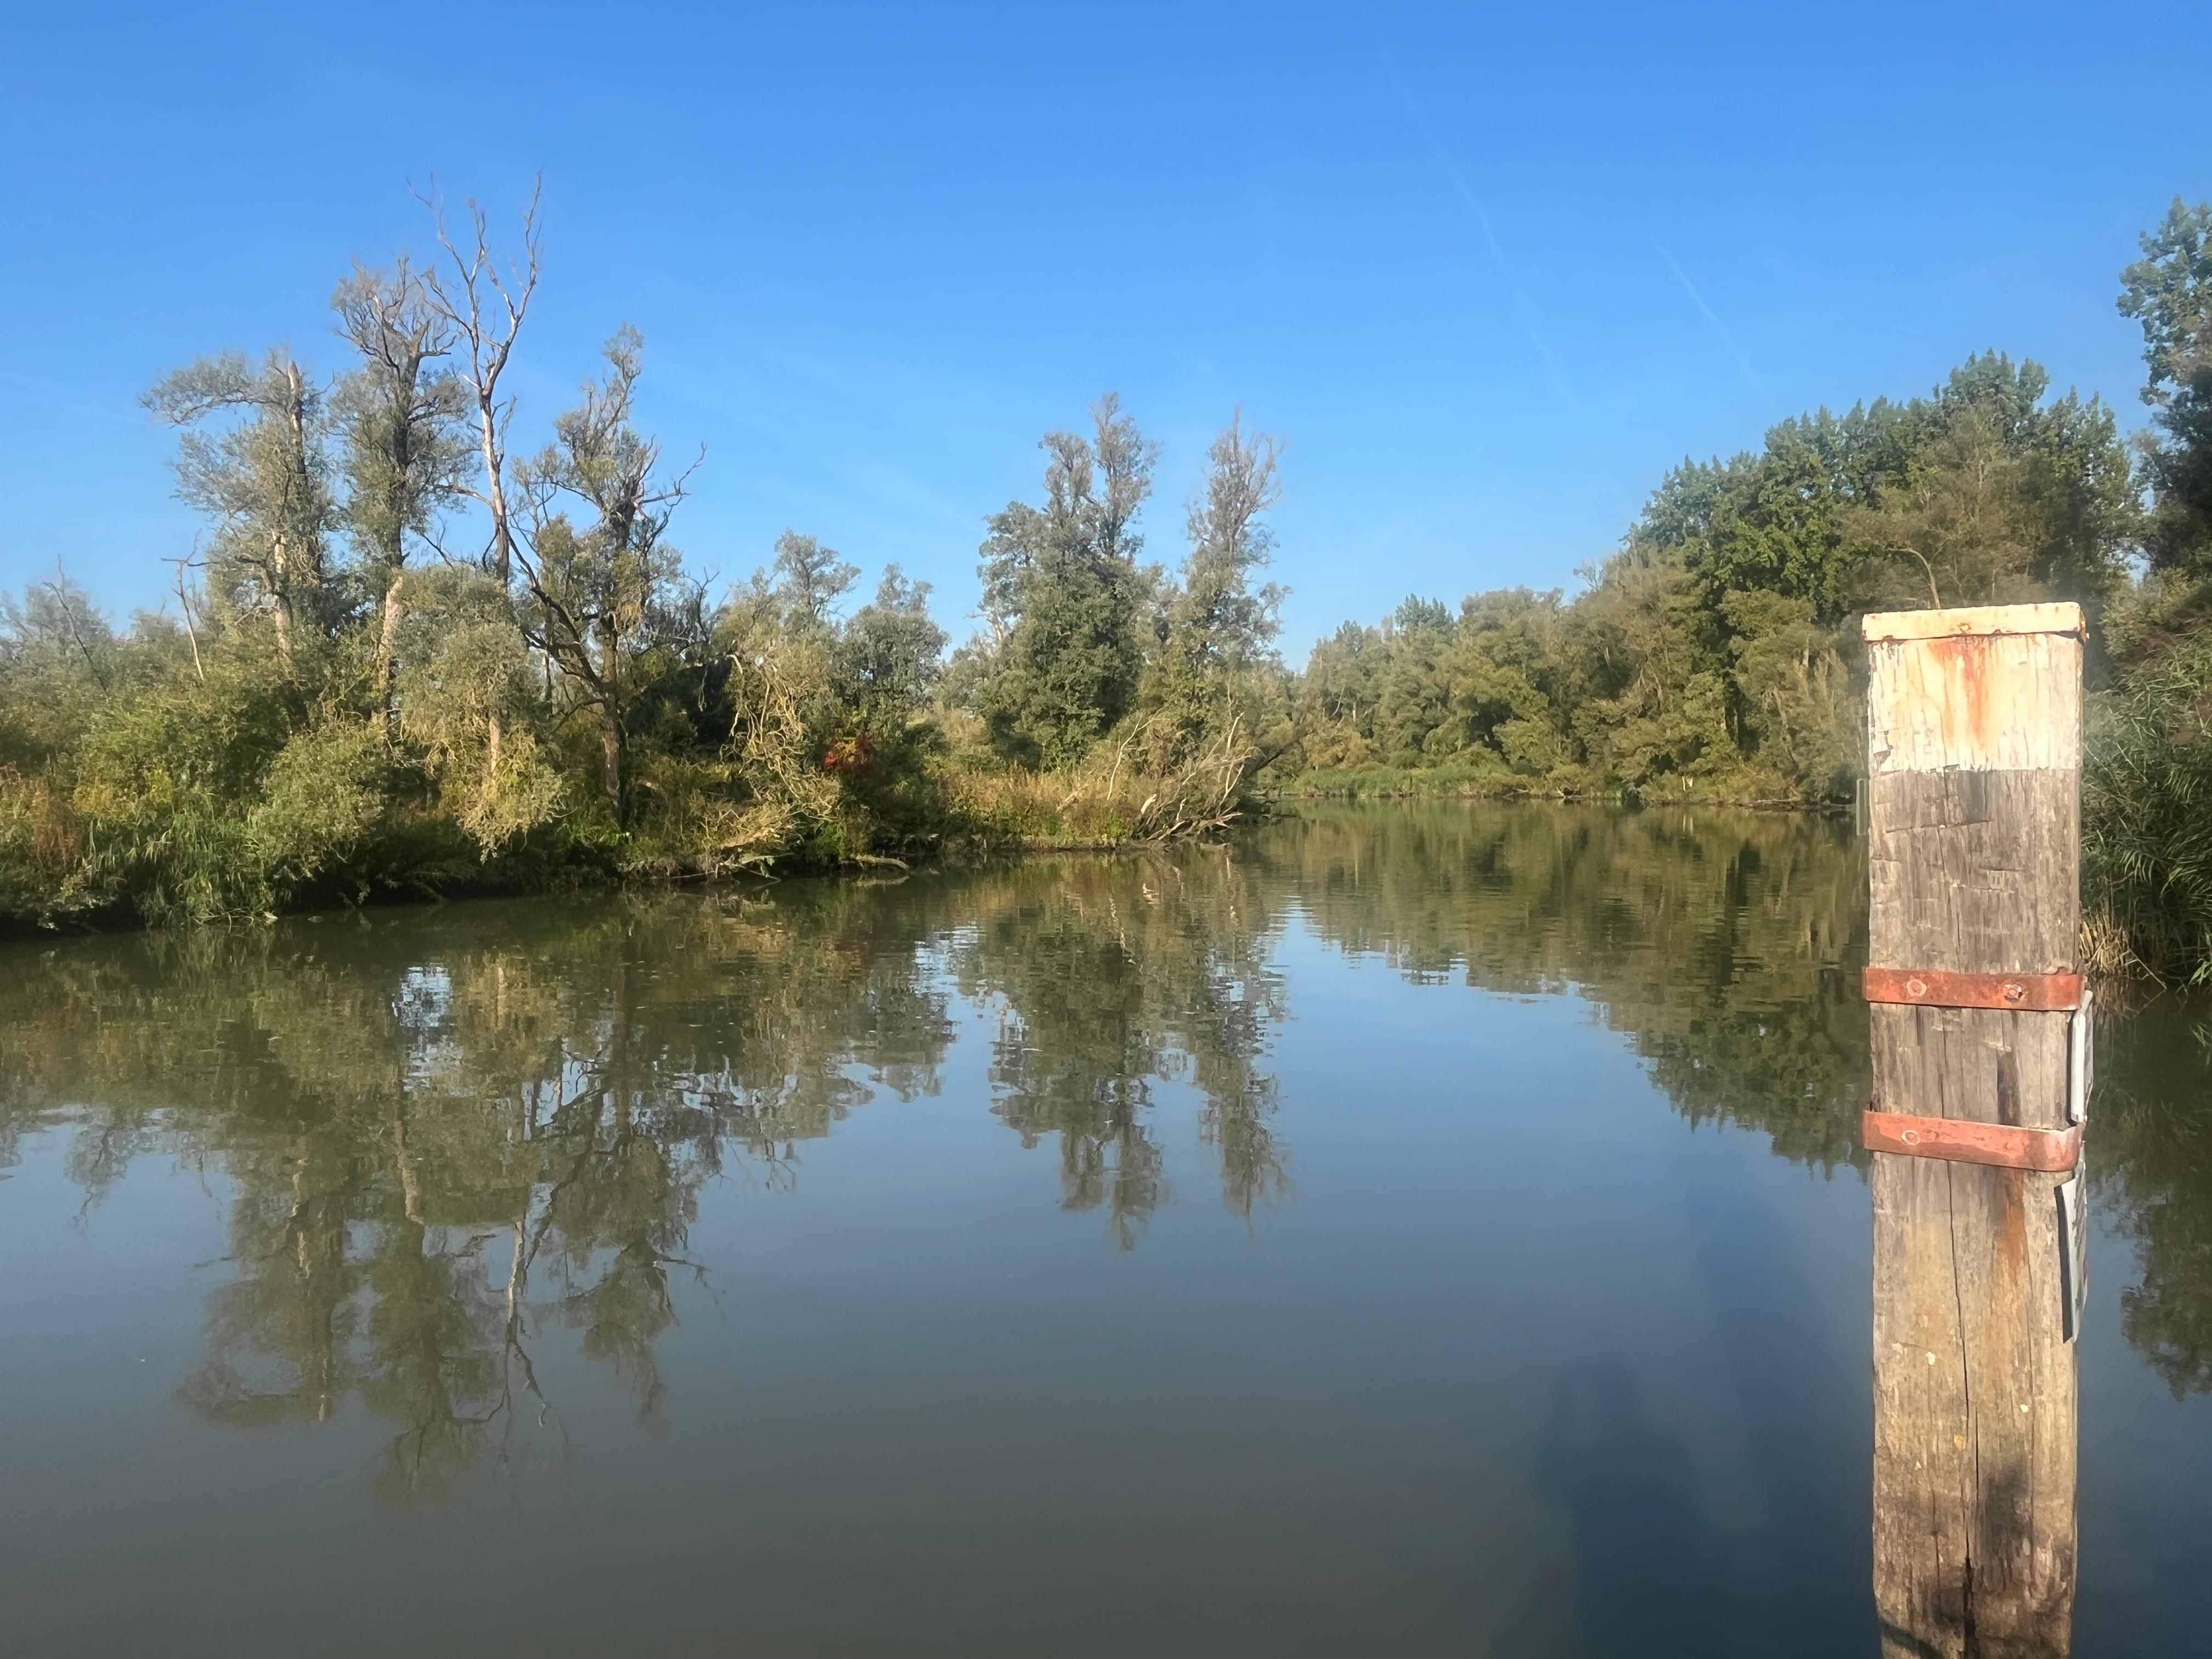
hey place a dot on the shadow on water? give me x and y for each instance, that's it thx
(1655, 1576)
(1648, 1564)
(1797, 1583)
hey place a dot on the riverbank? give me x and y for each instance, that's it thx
(1480, 782)
(74, 863)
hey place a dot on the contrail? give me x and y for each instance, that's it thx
(1698, 300)
(53, 395)
(1524, 312)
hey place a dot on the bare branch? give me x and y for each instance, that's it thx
(485, 309)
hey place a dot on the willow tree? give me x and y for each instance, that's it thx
(1063, 596)
(1217, 623)
(592, 596)
(263, 480)
(400, 415)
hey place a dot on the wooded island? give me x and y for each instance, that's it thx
(413, 655)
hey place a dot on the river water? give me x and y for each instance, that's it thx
(1405, 1230)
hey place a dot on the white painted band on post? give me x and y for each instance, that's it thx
(1986, 620)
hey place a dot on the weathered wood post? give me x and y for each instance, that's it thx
(1974, 724)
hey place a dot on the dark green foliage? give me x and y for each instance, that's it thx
(2148, 803)
(1716, 653)
(890, 657)
(1062, 594)
(2146, 812)
(2169, 291)
(1213, 666)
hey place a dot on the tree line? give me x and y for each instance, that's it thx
(1715, 652)
(411, 654)
(1716, 655)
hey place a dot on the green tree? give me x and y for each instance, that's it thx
(469, 711)
(1218, 624)
(596, 600)
(1063, 595)
(889, 656)
(263, 482)
(1710, 652)
(1337, 696)
(405, 454)
(2147, 854)
(810, 581)
(1415, 694)
(2169, 291)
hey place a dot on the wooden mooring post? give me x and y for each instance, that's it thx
(1974, 846)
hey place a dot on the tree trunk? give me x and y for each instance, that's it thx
(494, 731)
(281, 608)
(279, 578)
(613, 744)
(387, 667)
(488, 444)
(612, 753)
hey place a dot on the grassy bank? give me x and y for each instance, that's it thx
(66, 863)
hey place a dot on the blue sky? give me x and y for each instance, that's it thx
(1489, 273)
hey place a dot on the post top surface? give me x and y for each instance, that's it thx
(1972, 620)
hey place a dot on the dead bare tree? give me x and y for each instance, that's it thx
(485, 302)
(185, 604)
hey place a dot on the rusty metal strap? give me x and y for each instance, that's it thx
(2049, 993)
(1959, 1141)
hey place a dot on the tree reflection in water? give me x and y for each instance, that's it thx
(1110, 977)
(450, 1131)
(1724, 945)
(2150, 1159)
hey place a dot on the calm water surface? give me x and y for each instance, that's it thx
(1407, 1230)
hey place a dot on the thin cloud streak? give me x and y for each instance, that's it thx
(1524, 311)
(34, 389)
(1697, 300)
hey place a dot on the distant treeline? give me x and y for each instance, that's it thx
(408, 659)
(1717, 650)
(1715, 654)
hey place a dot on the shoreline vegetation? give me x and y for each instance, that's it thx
(409, 657)
(1464, 782)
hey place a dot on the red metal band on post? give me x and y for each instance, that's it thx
(2041, 993)
(1960, 1141)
